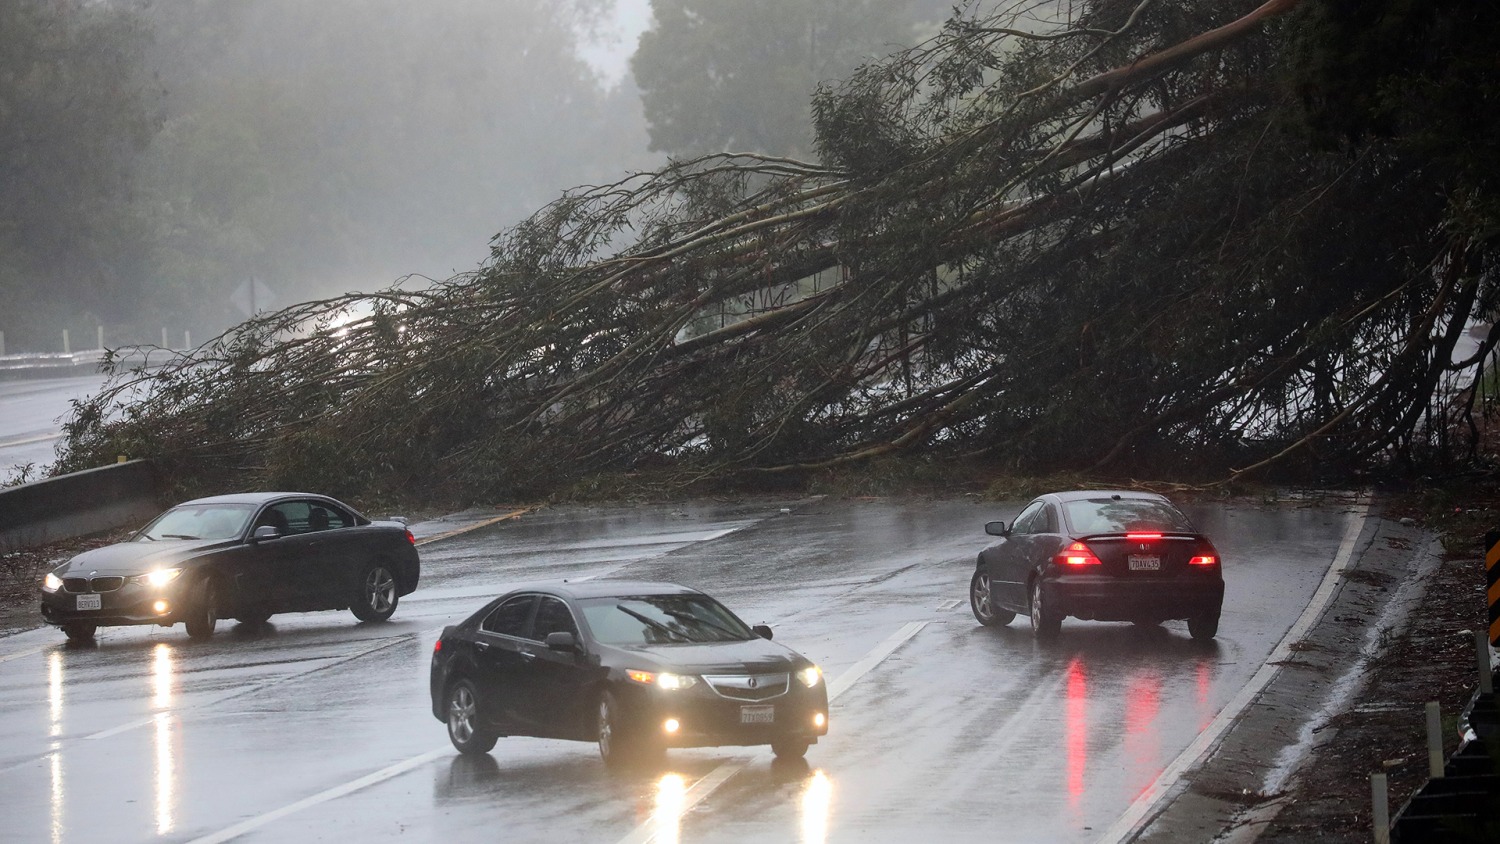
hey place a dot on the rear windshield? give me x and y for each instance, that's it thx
(662, 620)
(1117, 515)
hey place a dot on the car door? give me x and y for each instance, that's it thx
(1009, 560)
(498, 664)
(552, 686)
(313, 579)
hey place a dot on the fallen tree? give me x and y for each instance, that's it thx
(1104, 242)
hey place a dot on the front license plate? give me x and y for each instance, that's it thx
(757, 714)
(89, 602)
(1144, 562)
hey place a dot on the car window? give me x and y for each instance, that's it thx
(552, 616)
(1049, 520)
(1114, 515)
(662, 620)
(198, 521)
(322, 516)
(511, 618)
(1029, 521)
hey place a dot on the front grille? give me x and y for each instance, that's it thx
(104, 583)
(749, 686)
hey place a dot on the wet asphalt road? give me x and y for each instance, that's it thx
(30, 420)
(319, 729)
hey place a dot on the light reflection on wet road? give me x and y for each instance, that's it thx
(319, 728)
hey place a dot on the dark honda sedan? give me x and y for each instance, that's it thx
(243, 556)
(637, 667)
(1102, 556)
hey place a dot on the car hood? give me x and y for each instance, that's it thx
(753, 656)
(137, 557)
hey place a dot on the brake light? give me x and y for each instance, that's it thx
(1137, 537)
(1077, 554)
(1204, 560)
(437, 646)
(410, 538)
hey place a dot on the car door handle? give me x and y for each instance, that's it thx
(527, 655)
(483, 646)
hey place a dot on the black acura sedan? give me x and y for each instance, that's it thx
(636, 666)
(1102, 556)
(244, 556)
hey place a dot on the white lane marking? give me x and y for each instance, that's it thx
(707, 537)
(41, 439)
(476, 526)
(951, 603)
(1133, 821)
(334, 793)
(380, 644)
(700, 790)
(19, 654)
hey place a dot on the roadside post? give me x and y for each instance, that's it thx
(1380, 810)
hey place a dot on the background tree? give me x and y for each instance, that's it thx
(76, 111)
(1109, 244)
(730, 76)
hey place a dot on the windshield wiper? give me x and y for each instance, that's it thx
(653, 622)
(680, 615)
(180, 536)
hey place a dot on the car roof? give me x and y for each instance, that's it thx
(1086, 494)
(253, 497)
(603, 588)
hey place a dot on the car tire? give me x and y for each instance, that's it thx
(203, 611)
(1204, 627)
(377, 596)
(464, 729)
(981, 601)
(790, 748)
(621, 746)
(80, 631)
(1046, 623)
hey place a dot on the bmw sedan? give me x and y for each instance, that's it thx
(637, 667)
(245, 556)
(1102, 556)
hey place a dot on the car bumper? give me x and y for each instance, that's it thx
(705, 719)
(130, 604)
(1101, 598)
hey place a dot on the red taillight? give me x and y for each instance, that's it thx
(1140, 537)
(437, 646)
(410, 538)
(1077, 554)
(1204, 560)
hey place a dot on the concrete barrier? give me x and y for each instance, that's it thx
(78, 504)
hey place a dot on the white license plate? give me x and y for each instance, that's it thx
(89, 602)
(757, 714)
(1144, 562)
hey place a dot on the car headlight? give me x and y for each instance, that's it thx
(810, 676)
(158, 578)
(51, 583)
(662, 680)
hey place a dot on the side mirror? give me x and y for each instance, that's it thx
(265, 532)
(562, 641)
(996, 529)
(762, 630)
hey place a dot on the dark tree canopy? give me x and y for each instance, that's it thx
(1112, 243)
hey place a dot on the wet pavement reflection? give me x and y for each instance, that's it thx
(958, 733)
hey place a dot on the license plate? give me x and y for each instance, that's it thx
(1144, 562)
(757, 714)
(89, 602)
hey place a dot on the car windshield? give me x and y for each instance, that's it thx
(198, 521)
(1115, 515)
(662, 620)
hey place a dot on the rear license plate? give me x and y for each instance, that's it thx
(757, 714)
(1144, 562)
(89, 602)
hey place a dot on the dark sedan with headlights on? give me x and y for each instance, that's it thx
(1102, 556)
(635, 666)
(245, 556)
